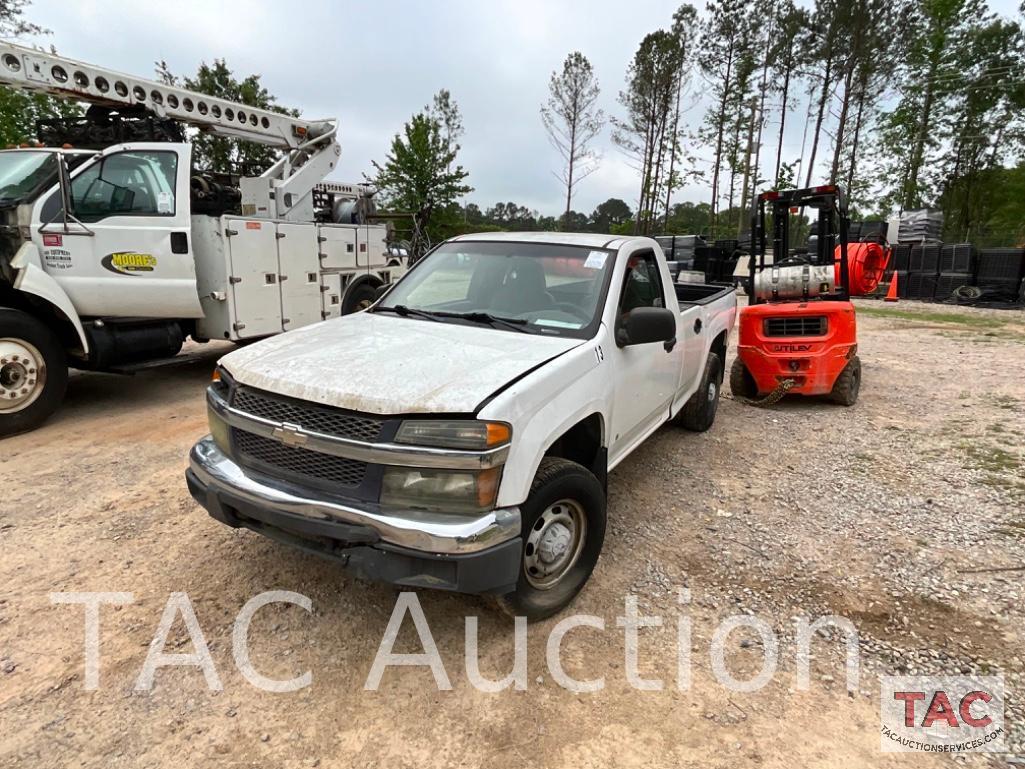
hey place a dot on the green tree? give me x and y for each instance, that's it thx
(218, 153)
(612, 213)
(938, 33)
(420, 175)
(19, 111)
(726, 62)
(645, 134)
(573, 121)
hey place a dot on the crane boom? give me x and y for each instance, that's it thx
(42, 72)
(284, 191)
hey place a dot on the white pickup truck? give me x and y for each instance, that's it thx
(459, 433)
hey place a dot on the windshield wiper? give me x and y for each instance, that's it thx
(405, 312)
(516, 324)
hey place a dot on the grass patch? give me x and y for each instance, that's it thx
(991, 459)
(1007, 402)
(966, 319)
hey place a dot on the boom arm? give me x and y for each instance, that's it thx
(283, 191)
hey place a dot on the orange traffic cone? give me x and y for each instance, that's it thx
(891, 292)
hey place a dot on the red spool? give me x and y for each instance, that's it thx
(866, 263)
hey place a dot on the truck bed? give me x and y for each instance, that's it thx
(689, 294)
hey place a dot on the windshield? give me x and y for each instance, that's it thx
(550, 289)
(23, 175)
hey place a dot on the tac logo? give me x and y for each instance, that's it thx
(942, 714)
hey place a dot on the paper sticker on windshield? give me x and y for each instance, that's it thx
(556, 323)
(595, 261)
(164, 204)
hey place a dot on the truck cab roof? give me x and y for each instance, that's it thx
(590, 239)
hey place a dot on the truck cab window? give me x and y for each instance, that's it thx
(642, 285)
(126, 184)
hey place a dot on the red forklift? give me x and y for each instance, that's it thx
(798, 334)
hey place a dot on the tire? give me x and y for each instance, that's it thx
(698, 413)
(742, 384)
(848, 384)
(33, 372)
(359, 298)
(561, 490)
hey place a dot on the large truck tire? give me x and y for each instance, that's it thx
(359, 297)
(698, 413)
(742, 383)
(563, 531)
(848, 384)
(33, 372)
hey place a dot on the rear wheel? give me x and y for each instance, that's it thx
(33, 372)
(563, 532)
(698, 413)
(848, 384)
(742, 383)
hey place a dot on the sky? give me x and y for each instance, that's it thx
(373, 64)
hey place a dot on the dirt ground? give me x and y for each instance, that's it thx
(903, 514)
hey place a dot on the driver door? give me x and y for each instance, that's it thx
(131, 256)
(645, 374)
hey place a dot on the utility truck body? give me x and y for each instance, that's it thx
(114, 248)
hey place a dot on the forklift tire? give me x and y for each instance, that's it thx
(848, 384)
(359, 298)
(698, 413)
(742, 384)
(563, 531)
(33, 372)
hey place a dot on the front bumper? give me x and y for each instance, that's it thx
(479, 554)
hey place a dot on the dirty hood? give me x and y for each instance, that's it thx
(385, 364)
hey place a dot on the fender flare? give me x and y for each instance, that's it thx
(33, 279)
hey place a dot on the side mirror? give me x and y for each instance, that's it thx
(645, 325)
(381, 291)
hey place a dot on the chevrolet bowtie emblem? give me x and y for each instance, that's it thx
(290, 435)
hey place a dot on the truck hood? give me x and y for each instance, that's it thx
(384, 364)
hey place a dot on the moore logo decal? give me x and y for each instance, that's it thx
(128, 262)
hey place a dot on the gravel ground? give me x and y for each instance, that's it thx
(903, 514)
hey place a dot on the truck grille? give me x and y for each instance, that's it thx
(801, 325)
(309, 465)
(309, 417)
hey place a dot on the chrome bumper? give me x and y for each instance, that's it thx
(446, 533)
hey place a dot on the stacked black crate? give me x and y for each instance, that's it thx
(930, 269)
(956, 268)
(900, 262)
(1000, 272)
(921, 279)
(721, 261)
(871, 232)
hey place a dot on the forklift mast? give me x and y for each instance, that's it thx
(831, 227)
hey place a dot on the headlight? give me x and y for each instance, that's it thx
(440, 490)
(454, 434)
(219, 431)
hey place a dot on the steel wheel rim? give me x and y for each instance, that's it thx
(22, 375)
(554, 544)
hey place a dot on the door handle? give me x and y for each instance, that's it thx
(179, 243)
(697, 326)
(669, 344)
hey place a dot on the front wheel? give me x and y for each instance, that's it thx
(563, 532)
(359, 298)
(33, 372)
